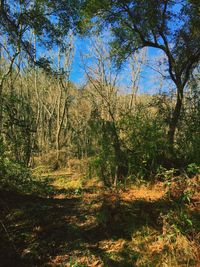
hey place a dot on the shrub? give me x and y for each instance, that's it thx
(12, 175)
(145, 139)
(193, 169)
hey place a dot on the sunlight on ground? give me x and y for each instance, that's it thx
(80, 223)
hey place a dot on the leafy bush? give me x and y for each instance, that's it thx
(188, 134)
(19, 127)
(105, 161)
(102, 166)
(182, 189)
(144, 146)
(193, 169)
(145, 139)
(12, 174)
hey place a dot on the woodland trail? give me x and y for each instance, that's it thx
(82, 224)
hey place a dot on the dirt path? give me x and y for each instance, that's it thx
(83, 225)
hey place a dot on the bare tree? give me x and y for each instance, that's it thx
(136, 62)
(63, 91)
(4, 74)
(102, 80)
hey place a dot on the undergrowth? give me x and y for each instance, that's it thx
(63, 219)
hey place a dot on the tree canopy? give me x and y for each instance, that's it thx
(171, 26)
(168, 25)
(48, 20)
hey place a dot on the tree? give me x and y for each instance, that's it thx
(102, 82)
(162, 24)
(63, 92)
(136, 62)
(48, 20)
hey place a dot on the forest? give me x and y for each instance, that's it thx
(100, 133)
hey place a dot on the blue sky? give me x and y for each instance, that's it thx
(149, 81)
(81, 47)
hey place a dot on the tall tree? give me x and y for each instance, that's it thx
(168, 25)
(49, 21)
(102, 81)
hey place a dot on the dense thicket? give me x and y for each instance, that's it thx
(50, 121)
(104, 172)
(43, 115)
(166, 25)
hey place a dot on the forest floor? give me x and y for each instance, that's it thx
(73, 221)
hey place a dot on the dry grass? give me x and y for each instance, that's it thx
(84, 224)
(149, 193)
(171, 249)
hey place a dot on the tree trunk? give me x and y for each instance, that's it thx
(121, 161)
(175, 117)
(1, 108)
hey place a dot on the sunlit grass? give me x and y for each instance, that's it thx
(78, 221)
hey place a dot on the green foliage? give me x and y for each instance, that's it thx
(49, 20)
(165, 174)
(193, 169)
(12, 174)
(104, 164)
(145, 140)
(136, 24)
(78, 191)
(181, 188)
(19, 127)
(188, 137)
(74, 263)
(178, 220)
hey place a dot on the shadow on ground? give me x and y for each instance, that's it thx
(47, 230)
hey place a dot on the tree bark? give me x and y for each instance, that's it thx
(175, 117)
(121, 160)
(1, 108)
